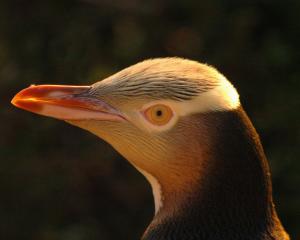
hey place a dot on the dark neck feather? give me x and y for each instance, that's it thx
(235, 198)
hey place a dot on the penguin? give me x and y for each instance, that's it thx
(181, 124)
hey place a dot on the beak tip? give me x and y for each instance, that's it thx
(14, 101)
(23, 100)
(18, 98)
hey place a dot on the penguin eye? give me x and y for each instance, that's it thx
(158, 114)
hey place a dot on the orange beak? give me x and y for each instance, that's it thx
(65, 103)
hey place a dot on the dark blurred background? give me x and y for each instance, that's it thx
(58, 182)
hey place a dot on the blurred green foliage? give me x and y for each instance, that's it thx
(59, 182)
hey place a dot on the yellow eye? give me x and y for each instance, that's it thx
(159, 114)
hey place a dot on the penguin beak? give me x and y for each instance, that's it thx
(65, 103)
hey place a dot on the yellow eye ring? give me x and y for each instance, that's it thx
(159, 114)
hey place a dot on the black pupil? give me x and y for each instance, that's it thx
(159, 113)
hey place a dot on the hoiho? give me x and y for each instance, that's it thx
(181, 124)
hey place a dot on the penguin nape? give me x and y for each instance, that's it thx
(181, 124)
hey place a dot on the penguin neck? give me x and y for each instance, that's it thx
(234, 198)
